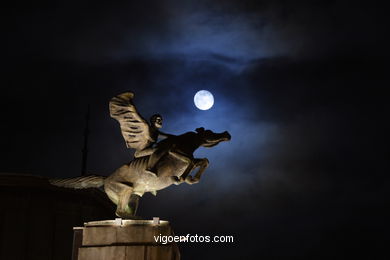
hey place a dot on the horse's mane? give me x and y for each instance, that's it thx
(175, 138)
(187, 139)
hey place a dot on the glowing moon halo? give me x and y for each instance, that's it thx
(203, 99)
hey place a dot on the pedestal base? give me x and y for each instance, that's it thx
(123, 240)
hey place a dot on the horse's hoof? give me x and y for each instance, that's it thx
(194, 180)
(191, 180)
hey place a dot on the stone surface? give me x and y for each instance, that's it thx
(131, 239)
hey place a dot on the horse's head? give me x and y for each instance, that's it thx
(210, 139)
(188, 142)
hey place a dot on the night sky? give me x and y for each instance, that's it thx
(299, 86)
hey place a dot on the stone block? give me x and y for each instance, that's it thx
(124, 240)
(103, 253)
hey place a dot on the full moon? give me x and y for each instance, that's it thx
(203, 99)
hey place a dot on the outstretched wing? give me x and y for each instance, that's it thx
(135, 129)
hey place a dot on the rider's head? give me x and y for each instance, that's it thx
(156, 120)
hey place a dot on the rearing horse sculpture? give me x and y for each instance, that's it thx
(173, 158)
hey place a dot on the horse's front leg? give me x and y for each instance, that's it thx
(182, 178)
(202, 164)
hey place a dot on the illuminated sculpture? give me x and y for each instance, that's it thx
(171, 159)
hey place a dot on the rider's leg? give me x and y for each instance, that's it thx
(155, 157)
(147, 152)
(186, 160)
(152, 161)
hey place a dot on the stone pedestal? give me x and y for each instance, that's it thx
(123, 240)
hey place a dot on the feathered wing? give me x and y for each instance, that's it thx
(83, 182)
(135, 129)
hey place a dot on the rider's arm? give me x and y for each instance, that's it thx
(164, 134)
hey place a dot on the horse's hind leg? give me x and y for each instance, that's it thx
(123, 210)
(120, 194)
(133, 203)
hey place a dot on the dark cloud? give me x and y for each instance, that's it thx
(244, 30)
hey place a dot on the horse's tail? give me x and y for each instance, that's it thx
(83, 182)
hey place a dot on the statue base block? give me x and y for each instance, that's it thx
(123, 240)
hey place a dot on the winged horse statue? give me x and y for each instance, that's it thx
(156, 165)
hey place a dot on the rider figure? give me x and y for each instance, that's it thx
(155, 124)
